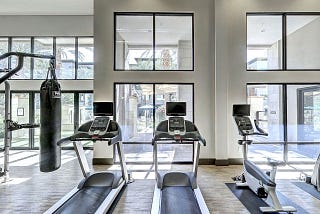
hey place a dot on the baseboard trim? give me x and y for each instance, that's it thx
(206, 161)
(227, 162)
(222, 162)
(102, 161)
(235, 161)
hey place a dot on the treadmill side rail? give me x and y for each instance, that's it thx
(108, 201)
(59, 203)
(156, 201)
(202, 204)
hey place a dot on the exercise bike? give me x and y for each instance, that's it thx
(261, 183)
(314, 179)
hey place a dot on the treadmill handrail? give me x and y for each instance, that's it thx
(255, 133)
(110, 137)
(186, 138)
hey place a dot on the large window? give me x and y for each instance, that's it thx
(74, 56)
(153, 41)
(140, 108)
(290, 113)
(76, 110)
(283, 41)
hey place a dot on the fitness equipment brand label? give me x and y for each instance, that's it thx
(56, 94)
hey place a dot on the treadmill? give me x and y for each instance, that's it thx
(177, 192)
(97, 191)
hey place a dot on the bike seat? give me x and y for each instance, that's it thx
(273, 163)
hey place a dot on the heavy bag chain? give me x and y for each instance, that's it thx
(51, 69)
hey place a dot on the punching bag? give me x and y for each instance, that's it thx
(50, 123)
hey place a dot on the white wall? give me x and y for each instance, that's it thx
(231, 74)
(47, 26)
(202, 77)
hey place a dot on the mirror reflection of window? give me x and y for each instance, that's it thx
(264, 42)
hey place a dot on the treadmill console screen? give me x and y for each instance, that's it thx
(241, 110)
(176, 126)
(99, 126)
(103, 108)
(176, 108)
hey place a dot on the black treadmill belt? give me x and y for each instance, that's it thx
(177, 200)
(86, 200)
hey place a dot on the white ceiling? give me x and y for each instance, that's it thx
(46, 7)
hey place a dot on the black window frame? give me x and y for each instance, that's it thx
(153, 14)
(54, 53)
(284, 100)
(32, 94)
(284, 38)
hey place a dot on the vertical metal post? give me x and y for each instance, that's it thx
(245, 148)
(122, 162)
(196, 154)
(155, 159)
(7, 135)
(285, 122)
(82, 158)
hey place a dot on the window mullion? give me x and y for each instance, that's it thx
(284, 42)
(154, 42)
